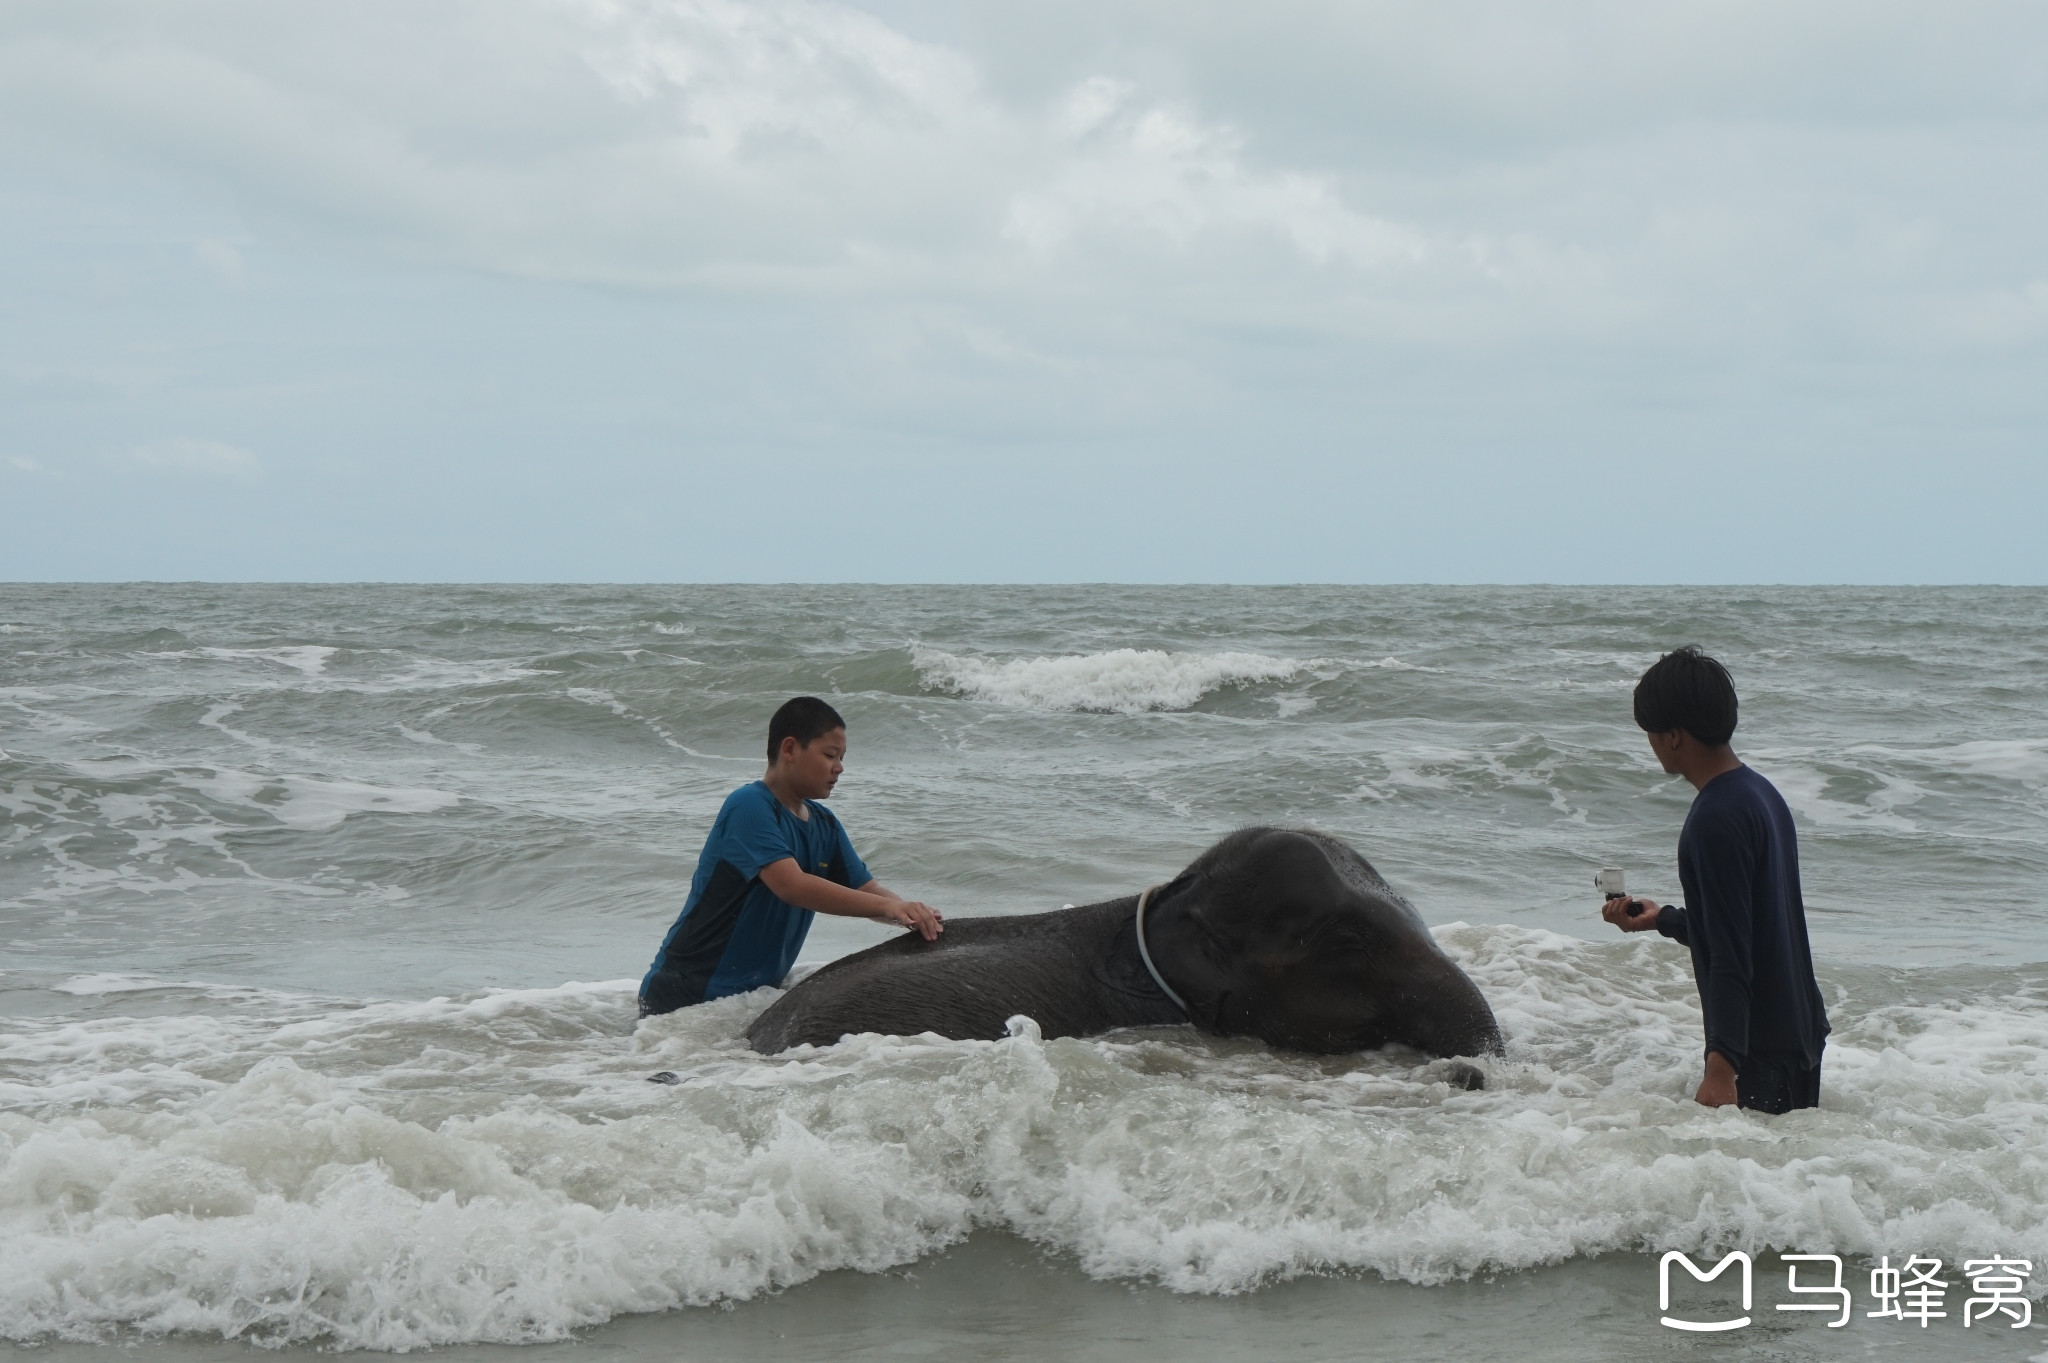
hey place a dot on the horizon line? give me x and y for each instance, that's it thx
(926, 583)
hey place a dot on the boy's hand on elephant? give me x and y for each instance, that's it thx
(920, 918)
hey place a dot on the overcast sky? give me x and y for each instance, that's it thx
(1131, 290)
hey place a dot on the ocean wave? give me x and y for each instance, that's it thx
(144, 806)
(496, 1168)
(1124, 681)
(406, 672)
(308, 660)
(2021, 760)
(314, 805)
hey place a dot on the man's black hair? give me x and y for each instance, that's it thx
(1686, 689)
(805, 719)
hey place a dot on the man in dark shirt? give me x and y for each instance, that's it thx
(1743, 918)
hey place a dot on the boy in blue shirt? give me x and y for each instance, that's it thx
(1743, 918)
(774, 858)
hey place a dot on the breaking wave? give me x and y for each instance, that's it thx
(497, 1168)
(1125, 681)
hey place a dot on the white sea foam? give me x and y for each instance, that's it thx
(591, 696)
(1292, 704)
(1805, 790)
(448, 674)
(417, 673)
(393, 1175)
(2024, 760)
(111, 983)
(1123, 681)
(303, 802)
(657, 626)
(118, 982)
(307, 659)
(314, 804)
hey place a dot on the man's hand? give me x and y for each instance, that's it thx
(920, 918)
(1631, 915)
(1718, 1088)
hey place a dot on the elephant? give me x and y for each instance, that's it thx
(1281, 934)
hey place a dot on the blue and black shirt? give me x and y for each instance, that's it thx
(734, 934)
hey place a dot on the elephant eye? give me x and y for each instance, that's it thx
(1337, 941)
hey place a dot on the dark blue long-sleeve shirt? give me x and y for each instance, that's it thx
(1738, 861)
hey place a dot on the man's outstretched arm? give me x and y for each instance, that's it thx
(793, 885)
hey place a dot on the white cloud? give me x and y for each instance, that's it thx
(1155, 176)
(782, 144)
(1470, 172)
(1474, 171)
(1450, 244)
(25, 464)
(202, 458)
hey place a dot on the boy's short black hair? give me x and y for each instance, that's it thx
(805, 719)
(1686, 689)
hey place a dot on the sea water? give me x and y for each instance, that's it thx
(321, 911)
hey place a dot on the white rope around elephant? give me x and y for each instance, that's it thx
(1145, 955)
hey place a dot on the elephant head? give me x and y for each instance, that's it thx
(1293, 938)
